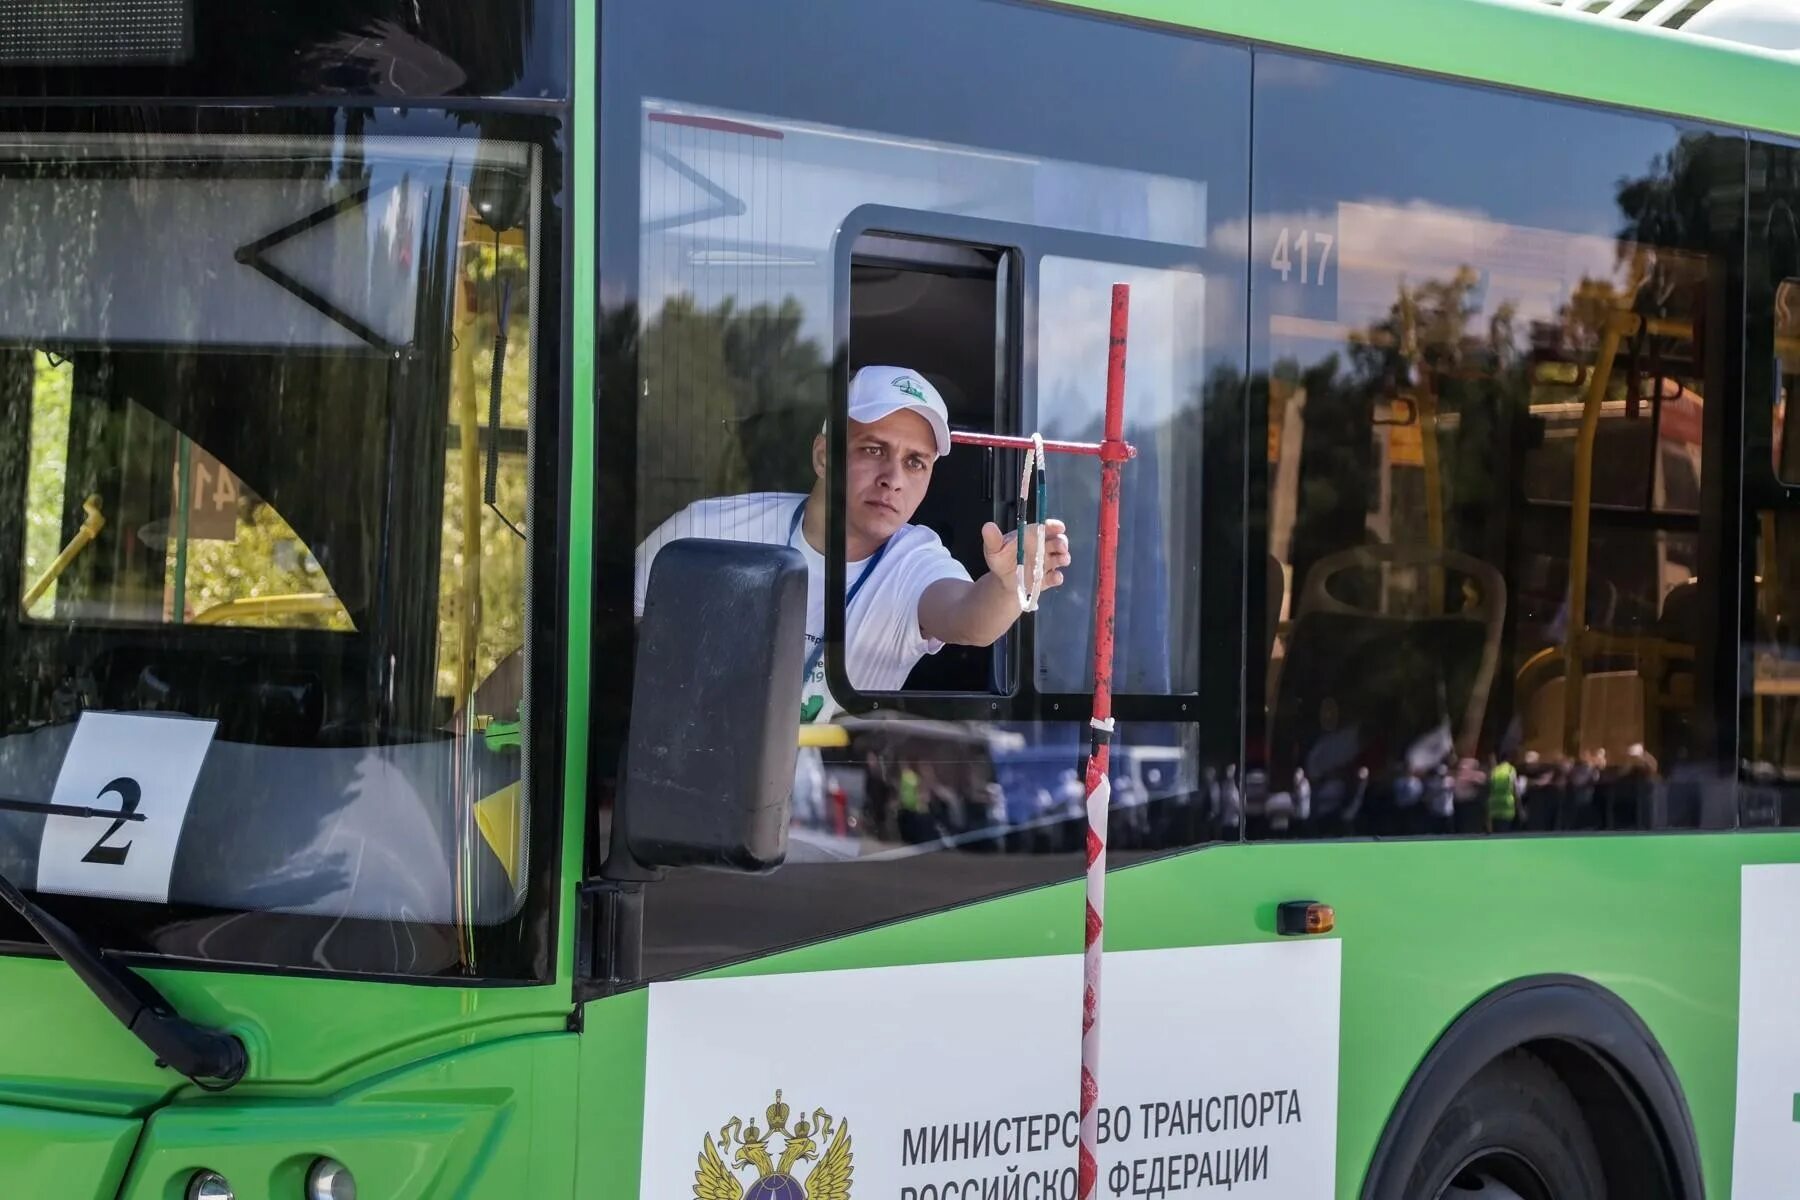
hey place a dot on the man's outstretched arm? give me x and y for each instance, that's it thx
(977, 614)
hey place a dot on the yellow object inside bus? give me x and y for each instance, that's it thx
(256, 607)
(93, 522)
(1636, 679)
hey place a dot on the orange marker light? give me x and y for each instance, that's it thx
(1299, 918)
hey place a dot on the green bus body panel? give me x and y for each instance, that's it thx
(492, 1123)
(584, 137)
(610, 1148)
(305, 1036)
(1522, 45)
(44, 1152)
(1427, 929)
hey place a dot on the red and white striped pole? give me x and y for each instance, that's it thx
(1113, 453)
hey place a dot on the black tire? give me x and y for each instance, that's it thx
(1514, 1125)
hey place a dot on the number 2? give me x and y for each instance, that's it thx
(129, 793)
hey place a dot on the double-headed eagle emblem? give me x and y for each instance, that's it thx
(827, 1179)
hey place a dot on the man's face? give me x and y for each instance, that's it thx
(889, 468)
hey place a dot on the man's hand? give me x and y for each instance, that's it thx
(978, 613)
(1002, 557)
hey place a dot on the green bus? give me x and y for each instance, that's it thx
(359, 839)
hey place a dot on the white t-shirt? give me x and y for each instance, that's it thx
(881, 632)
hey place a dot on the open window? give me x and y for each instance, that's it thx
(940, 307)
(1010, 323)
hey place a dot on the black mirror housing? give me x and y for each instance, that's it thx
(715, 705)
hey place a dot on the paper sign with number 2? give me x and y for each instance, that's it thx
(137, 766)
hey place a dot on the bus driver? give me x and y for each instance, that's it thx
(906, 596)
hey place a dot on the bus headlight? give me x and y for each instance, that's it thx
(330, 1179)
(209, 1185)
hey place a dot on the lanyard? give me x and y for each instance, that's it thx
(818, 651)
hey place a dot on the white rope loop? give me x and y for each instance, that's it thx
(1029, 593)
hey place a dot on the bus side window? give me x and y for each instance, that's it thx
(1485, 461)
(1771, 735)
(774, 232)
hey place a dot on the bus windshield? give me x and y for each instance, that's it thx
(263, 515)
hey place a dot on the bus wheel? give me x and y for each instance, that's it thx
(1514, 1132)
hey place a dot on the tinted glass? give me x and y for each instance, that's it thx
(391, 49)
(1495, 350)
(1771, 534)
(1159, 572)
(726, 192)
(264, 524)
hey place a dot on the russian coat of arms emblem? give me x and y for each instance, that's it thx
(776, 1153)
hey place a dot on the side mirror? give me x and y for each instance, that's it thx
(709, 767)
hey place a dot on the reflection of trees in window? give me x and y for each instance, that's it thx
(1441, 394)
(1497, 418)
(1684, 196)
(731, 401)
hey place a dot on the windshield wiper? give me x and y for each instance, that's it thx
(210, 1058)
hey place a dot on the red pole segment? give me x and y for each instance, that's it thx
(1113, 452)
(1000, 441)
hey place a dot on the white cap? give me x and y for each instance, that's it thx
(877, 391)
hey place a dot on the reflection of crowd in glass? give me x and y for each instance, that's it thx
(1455, 794)
(916, 802)
(911, 800)
(958, 803)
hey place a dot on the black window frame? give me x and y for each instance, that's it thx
(1028, 245)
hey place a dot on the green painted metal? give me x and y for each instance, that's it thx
(1520, 45)
(612, 1084)
(492, 1123)
(1428, 928)
(49, 1152)
(584, 139)
(307, 1037)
